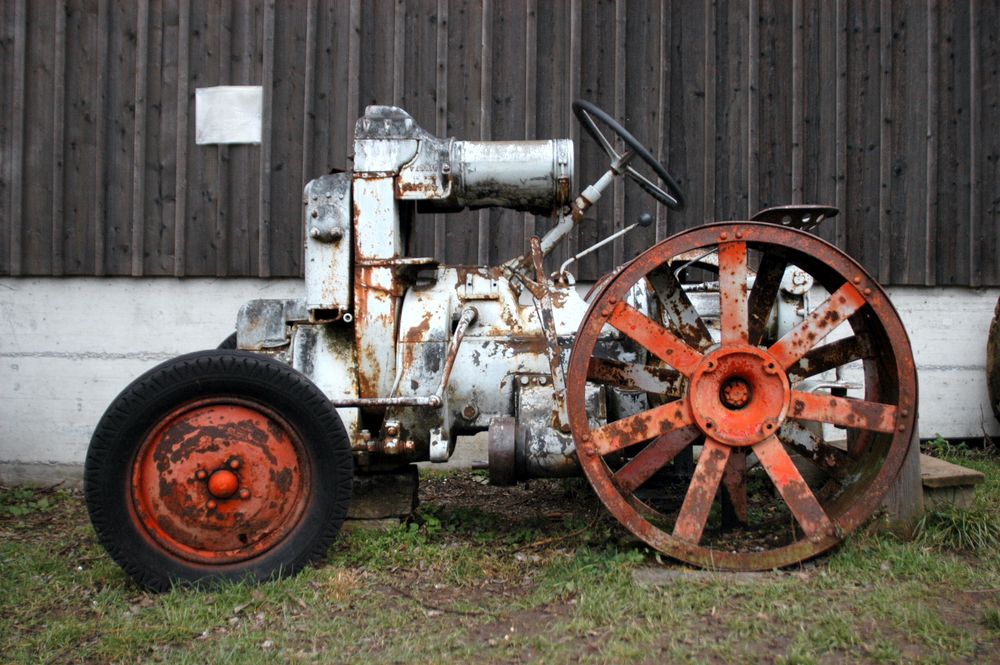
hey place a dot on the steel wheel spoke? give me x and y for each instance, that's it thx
(843, 411)
(734, 480)
(680, 313)
(733, 292)
(793, 488)
(633, 376)
(818, 324)
(763, 295)
(830, 356)
(641, 427)
(701, 492)
(658, 340)
(653, 458)
(833, 461)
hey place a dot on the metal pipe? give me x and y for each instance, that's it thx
(469, 314)
(595, 246)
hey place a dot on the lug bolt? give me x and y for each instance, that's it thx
(212, 505)
(244, 493)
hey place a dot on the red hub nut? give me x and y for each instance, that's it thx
(223, 484)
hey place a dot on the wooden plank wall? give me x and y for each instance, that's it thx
(887, 109)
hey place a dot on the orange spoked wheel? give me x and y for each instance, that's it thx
(218, 465)
(767, 489)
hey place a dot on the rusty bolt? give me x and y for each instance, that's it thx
(470, 412)
(244, 493)
(723, 236)
(739, 235)
(868, 292)
(771, 368)
(709, 423)
(211, 505)
(857, 279)
(201, 474)
(337, 234)
(590, 452)
(904, 412)
(585, 437)
(605, 312)
(710, 365)
(613, 300)
(902, 428)
(314, 232)
(234, 464)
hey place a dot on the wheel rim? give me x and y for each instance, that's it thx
(220, 480)
(737, 399)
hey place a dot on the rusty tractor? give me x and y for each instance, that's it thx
(740, 395)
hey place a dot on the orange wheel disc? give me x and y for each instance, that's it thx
(220, 480)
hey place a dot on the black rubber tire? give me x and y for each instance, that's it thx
(229, 343)
(133, 414)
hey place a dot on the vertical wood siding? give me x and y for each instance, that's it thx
(887, 109)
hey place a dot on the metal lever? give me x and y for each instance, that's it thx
(645, 220)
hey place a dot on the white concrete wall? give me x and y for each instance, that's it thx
(69, 345)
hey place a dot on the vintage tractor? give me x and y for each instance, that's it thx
(749, 356)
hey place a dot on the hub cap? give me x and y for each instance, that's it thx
(220, 480)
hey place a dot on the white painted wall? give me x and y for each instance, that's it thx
(69, 345)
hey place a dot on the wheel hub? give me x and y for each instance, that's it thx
(735, 393)
(739, 395)
(220, 481)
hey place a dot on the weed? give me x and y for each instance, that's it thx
(968, 530)
(22, 501)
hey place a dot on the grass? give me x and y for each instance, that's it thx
(478, 582)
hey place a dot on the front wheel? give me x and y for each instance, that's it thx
(218, 465)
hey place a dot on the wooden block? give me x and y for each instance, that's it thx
(384, 495)
(937, 473)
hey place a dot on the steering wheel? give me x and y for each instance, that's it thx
(671, 196)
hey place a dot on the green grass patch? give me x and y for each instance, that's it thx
(488, 576)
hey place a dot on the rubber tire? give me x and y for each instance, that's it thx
(229, 343)
(132, 415)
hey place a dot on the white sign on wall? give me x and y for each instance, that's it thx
(228, 114)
